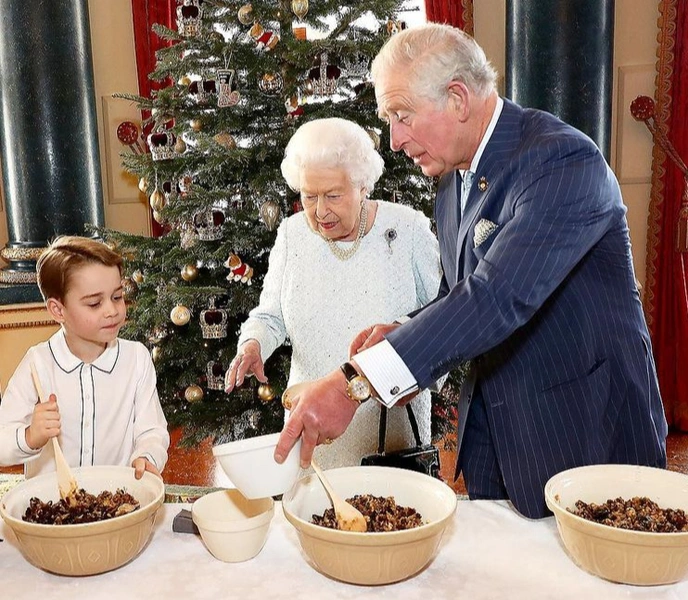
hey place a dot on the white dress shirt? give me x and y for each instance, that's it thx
(109, 410)
(381, 364)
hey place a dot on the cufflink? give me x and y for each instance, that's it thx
(394, 391)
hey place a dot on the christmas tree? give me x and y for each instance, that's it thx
(236, 81)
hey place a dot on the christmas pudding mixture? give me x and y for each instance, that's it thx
(81, 507)
(637, 514)
(381, 514)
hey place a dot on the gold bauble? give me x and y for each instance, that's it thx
(157, 216)
(265, 392)
(225, 140)
(157, 200)
(180, 315)
(299, 8)
(137, 276)
(129, 289)
(180, 146)
(196, 124)
(156, 353)
(189, 272)
(185, 80)
(245, 14)
(143, 184)
(193, 393)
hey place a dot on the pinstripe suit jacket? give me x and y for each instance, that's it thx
(547, 306)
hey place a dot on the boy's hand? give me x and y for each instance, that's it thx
(142, 464)
(45, 423)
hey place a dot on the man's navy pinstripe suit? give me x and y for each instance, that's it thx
(547, 307)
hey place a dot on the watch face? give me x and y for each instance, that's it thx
(359, 388)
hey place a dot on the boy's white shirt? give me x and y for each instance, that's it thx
(109, 409)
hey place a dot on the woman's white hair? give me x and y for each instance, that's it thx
(433, 55)
(334, 142)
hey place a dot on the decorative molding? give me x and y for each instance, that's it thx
(635, 167)
(27, 324)
(17, 277)
(14, 254)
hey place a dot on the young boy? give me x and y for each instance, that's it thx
(108, 412)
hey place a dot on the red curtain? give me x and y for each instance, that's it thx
(145, 14)
(458, 13)
(666, 298)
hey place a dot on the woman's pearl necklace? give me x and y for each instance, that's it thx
(351, 250)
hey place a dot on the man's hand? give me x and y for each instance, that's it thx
(247, 362)
(142, 464)
(45, 423)
(320, 411)
(369, 337)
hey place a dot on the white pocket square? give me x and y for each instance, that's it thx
(483, 230)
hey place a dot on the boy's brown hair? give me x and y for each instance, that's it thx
(64, 256)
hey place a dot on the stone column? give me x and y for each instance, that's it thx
(559, 58)
(48, 129)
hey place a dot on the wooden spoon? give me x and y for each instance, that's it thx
(348, 517)
(65, 480)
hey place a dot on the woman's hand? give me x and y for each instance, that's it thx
(369, 337)
(247, 362)
(45, 423)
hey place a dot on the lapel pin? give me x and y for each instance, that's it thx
(482, 184)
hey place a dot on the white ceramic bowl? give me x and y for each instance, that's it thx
(88, 548)
(233, 527)
(371, 558)
(620, 555)
(250, 465)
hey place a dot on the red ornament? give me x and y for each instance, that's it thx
(643, 108)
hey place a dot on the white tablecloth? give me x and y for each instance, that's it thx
(488, 552)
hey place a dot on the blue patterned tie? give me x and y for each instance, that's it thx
(466, 184)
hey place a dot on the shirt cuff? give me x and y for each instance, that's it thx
(21, 442)
(386, 372)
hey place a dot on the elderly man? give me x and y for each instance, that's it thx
(538, 292)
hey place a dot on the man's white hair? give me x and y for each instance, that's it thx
(433, 55)
(328, 143)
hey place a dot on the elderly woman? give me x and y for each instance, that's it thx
(342, 264)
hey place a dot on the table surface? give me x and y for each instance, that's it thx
(488, 552)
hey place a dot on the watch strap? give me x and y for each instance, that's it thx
(349, 371)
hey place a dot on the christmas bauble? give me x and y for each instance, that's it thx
(143, 184)
(299, 8)
(270, 213)
(193, 393)
(271, 84)
(157, 200)
(196, 124)
(185, 80)
(265, 392)
(137, 276)
(225, 140)
(129, 288)
(189, 272)
(156, 353)
(245, 14)
(180, 315)
(180, 146)
(157, 216)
